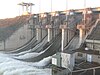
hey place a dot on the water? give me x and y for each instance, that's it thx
(11, 66)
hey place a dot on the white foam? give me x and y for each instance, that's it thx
(27, 55)
(29, 71)
(43, 62)
(10, 66)
(21, 53)
(38, 46)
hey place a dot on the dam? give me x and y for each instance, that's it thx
(51, 43)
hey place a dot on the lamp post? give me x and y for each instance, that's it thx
(51, 5)
(84, 11)
(51, 10)
(67, 16)
(39, 6)
(66, 4)
(66, 10)
(39, 12)
(84, 3)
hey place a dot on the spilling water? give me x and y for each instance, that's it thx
(11, 66)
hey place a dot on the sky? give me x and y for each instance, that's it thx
(9, 8)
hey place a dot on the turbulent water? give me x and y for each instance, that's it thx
(10, 66)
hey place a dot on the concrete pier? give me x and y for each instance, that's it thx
(81, 32)
(64, 34)
(49, 28)
(38, 32)
(43, 32)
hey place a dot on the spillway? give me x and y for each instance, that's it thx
(35, 39)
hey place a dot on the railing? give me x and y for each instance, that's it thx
(87, 69)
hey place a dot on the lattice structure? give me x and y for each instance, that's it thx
(27, 6)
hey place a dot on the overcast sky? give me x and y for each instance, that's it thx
(9, 8)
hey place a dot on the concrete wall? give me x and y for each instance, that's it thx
(19, 38)
(96, 58)
(64, 60)
(65, 37)
(70, 35)
(44, 33)
(79, 55)
(93, 46)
